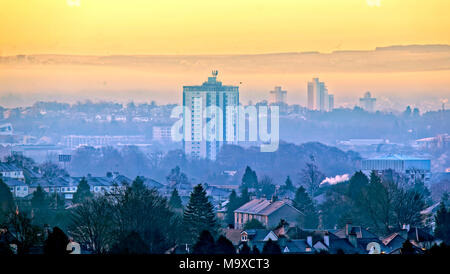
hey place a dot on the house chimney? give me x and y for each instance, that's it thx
(352, 239)
(309, 240)
(326, 240)
(348, 228)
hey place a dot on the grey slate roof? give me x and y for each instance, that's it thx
(262, 207)
(358, 230)
(6, 167)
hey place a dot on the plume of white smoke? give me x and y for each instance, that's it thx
(335, 180)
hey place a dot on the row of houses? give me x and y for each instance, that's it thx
(348, 240)
(65, 186)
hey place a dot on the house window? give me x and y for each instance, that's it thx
(244, 238)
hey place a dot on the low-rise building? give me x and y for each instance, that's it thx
(413, 168)
(268, 212)
(8, 170)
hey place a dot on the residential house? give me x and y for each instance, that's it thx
(8, 170)
(419, 238)
(17, 187)
(268, 212)
(257, 237)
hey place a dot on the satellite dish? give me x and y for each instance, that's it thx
(373, 248)
(74, 247)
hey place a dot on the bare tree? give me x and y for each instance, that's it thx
(311, 177)
(92, 224)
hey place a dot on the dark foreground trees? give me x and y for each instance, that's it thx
(109, 220)
(381, 204)
(199, 215)
(206, 245)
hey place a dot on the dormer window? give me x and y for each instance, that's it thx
(243, 238)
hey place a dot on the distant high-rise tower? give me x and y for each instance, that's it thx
(198, 99)
(330, 102)
(367, 102)
(318, 97)
(278, 96)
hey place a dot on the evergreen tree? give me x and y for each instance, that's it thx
(245, 249)
(205, 244)
(302, 201)
(442, 219)
(56, 242)
(83, 192)
(288, 186)
(138, 185)
(224, 246)
(255, 250)
(131, 244)
(233, 204)
(39, 199)
(249, 180)
(6, 201)
(358, 182)
(266, 187)
(199, 214)
(245, 196)
(407, 248)
(40, 204)
(57, 201)
(175, 200)
(271, 247)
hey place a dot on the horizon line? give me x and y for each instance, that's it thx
(395, 47)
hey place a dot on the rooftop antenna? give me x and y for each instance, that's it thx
(215, 72)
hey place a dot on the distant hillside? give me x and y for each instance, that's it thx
(382, 59)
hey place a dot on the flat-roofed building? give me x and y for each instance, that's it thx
(413, 167)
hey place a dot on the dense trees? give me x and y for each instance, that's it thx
(233, 204)
(224, 246)
(175, 200)
(104, 221)
(83, 192)
(253, 224)
(56, 243)
(378, 203)
(249, 179)
(206, 245)
(302, 201)
(26, 234)
(199, 214)
(92, 224)
(6, 201)
(131, 244)
(271, 247)
(442, 219)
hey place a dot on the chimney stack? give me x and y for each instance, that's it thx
(309, 240)
(326, 240)
(348, 228)
(352, 239)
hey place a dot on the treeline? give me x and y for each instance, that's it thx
(132, 220)
(288, 160)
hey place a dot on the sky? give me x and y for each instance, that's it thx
(217, 27)
(231, 27)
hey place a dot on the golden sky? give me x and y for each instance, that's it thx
(217, 27)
